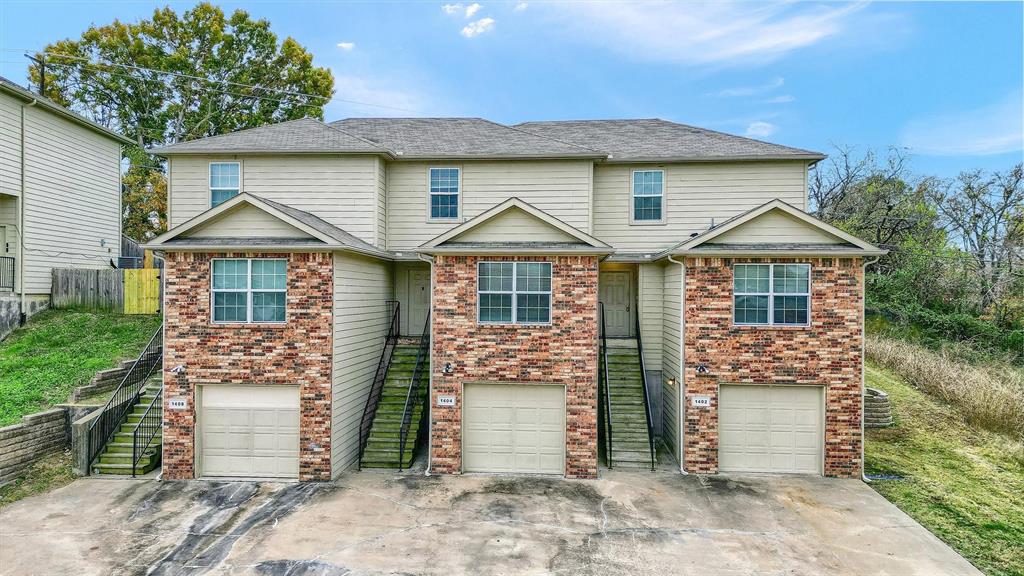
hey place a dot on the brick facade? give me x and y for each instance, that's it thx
(827, 353)
(564, 352)
(296, 352)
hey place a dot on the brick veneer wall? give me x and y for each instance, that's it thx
(826, 353)
(564, 352)
(296, 352)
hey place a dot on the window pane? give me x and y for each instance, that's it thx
(648, 183)
(495, 307)
(533, 277)
(444, 206)
(647, 208)
(790, 310)
(495, 277)
(750, 309)
(229, 306)
(533, 308)
(220, 196)
(791, 278)
(750, 278)
(229, 274)
(268, 306)
(224, 175)
(268, 274)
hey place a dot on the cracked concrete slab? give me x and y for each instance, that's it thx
(384, 523)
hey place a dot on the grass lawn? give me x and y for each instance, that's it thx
(964, 484)
(43, 475)
(59, 350)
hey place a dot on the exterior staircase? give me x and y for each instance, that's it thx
(630, 447)
(384, 443)
(116, 457)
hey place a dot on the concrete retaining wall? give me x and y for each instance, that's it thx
(10, 310)
(103, 381)
(35, 436)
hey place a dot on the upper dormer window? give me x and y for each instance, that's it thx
(444, 193)
(225, 182)
(648, 196)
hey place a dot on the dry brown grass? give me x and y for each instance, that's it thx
(989, 396)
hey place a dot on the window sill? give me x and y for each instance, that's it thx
(443, 220)
(249, 324)
(648, 223)
(514, 324)
(772, 326)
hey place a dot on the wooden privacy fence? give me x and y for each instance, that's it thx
(136, 291)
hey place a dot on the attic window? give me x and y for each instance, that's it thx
(648, 196)
(225, 182)
(444, 193)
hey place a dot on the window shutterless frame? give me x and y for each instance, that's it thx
(446, 193)
(514, 293)
(248, 290)
(211, 189)
(655, 189)
(768, 288)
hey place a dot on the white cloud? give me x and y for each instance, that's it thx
(783, 99)
(362, 95)
(479, 27)
(451, 8)
(346, 46)
(997, 128)
(472, 9)
(750, 90)
(704, 33)
(520, 6)
(760, 129)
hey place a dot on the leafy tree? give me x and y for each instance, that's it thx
(173, 78)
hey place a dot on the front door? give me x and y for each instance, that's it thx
(616, 292)
(419, 301)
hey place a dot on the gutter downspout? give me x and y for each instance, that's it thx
(681, 377)
(21, 218)
(430, 380)
(863, 359)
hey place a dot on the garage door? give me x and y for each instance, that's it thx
(513, 428)
(770, 429)
(250, 431)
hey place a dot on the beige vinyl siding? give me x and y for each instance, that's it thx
(382, 204)
(512, 225)
(671, 361)
(777, 227)
(651, 302)
(10, 145)
(72, 198)
(362, 287)
(559, 187)
(246, 220)
(339, 189)
(694, 195)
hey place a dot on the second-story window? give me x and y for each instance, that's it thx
(249, 290)
(648, 195)
(225, 182)
(444, 193)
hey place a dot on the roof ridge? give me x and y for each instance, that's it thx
(330, 126)
(545, 137)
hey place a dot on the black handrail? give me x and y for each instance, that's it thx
(147, 428)
(6, 273)
(113, 413)
(647, 397)
(603, 377)
(376, 390)
(411, 398)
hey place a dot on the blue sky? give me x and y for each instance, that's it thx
(944, 79)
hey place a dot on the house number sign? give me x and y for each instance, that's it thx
(701, 401)
(177, 403)
(446, 400)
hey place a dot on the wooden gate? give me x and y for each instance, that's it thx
(142, 291)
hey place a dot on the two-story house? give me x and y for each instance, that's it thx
(535, 298)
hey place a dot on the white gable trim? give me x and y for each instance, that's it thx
(512, 203)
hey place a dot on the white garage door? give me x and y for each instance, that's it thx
(513, 428)
(250, 431)
(770, 429)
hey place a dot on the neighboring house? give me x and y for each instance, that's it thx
(541, 257)
(60, 195)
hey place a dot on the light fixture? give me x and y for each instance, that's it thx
(671, 382)
(703, 369)
(447, 368)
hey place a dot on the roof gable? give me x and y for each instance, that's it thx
(245, 219)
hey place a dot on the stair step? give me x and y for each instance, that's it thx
(123, 469)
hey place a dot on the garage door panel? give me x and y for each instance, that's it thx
(770, 429)
(513, 428)
(250, 431)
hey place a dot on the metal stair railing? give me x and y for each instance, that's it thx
(412, 397)
(147, 428)
(603, 378)
(647, 396)
(379, 377)
(114, 412)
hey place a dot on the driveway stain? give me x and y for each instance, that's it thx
(300, 568)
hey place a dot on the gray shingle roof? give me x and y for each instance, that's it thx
(10, 87)
(306, 135)
(661, 140)
(460, 138)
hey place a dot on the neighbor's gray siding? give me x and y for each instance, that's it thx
(10, 145)
(362, 287)
(695, 195)
(671, 360)
(339, 189)
(558, 187)
(72, 198)
(382, 205)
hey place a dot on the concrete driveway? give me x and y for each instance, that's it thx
(380, 523)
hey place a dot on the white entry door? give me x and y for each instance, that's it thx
(249, 431)
(419, 301)
(513, 428)
(770, 429)
(616, 293)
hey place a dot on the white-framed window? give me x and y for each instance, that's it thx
(249, 290)
(514, 292)
(771, 294)
(444, 193)
(648, 196)
(225, 182)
